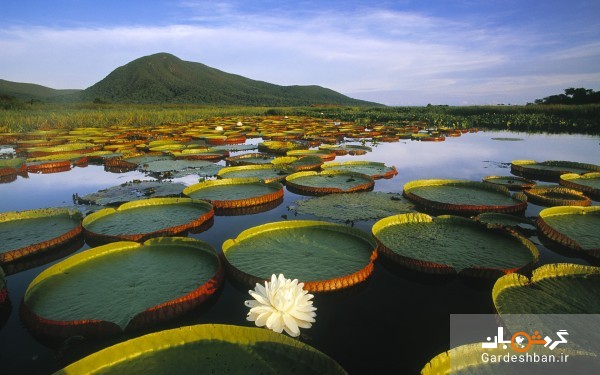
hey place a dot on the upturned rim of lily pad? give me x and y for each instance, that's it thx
(276, 192)
(470, 209)
(71, 234)
(391, 171)
(437, 268)
(558, 237)
(282, 172)
(557, 196)
(329, 285)
(522, 183)
(568, 180)
(256, 341)
(205, 209)
(297, 187)
(532, 168)
(159, 313)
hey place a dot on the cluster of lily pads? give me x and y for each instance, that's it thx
(444, 227)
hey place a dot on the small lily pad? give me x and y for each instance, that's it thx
(371, 168)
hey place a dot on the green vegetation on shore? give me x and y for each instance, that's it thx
(531, 118)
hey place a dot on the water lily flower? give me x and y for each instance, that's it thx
(281, 304)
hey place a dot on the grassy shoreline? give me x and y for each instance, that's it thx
(583, 119)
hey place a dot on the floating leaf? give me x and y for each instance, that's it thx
(452, 244)
(181, 168)
(210, 349)
(131, 191)
(550, 170)
(510, 182)
(267, 173)
(355, 206)
(324, 256)
(328, 182)
(121, 286)
(588, 183)
(235, 192)
(374, 169)
(557, 196)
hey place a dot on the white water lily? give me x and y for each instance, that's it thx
(281, 304)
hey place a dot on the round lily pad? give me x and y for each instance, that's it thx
(328, 182)
(374, 169)
(298, 164)
(235, 192)
(324, 155)
(143, 219)
(29, 232)
(561, 288)
(121, 286)
(267, 173)
(181, 168)
(131, 191)
(464, 197)
(588, 183)
(496, 220)
(278, 147)
(557, 196)
(324, 256)
(452, 245)
(354, 206)
(550, 170)
(210, 349)
(250, 159)
(575, 228)
(510, 182)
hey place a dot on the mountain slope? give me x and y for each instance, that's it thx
(164, 78)
(29, 91)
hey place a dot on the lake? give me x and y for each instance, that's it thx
(355, 326)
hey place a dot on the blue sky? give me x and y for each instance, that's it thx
(392, 52)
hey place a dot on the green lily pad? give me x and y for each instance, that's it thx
(181, 168)
(267, 173)
(250, 159)
(510, 182)
(464, 197)
(496, 220)
(121, 286)
(146, 218)
(210, 349)
(374, 169)
(553, 289)
(452, 244)
(131, 191)
(573, 227)
(278, 147)
(324, 155)
(550, 170)
(29, 232)
(588, 183)
(298, 164)
(235, 192)
(328, 182)
(473, 359)
(354, 206)
(324, 256)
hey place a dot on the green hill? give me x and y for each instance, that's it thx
(164, 78)
(30, 91)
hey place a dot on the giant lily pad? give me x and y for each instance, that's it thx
(575, 228)
(181, 168)
(324, 256)
(328, 182)
(464, 197)
(588, 183)
(371, 168)
(452, 244)
(250, 159)
(143, 219)
(510, 182)
(131, 191)
(473, 359)
(121, 286)
(277, 147)
(267, 173)
(550, 170)
(553, 289)
(557, 196)
(235, 192)
(324, 155)
(355, 206)
(298, 164)
(496, 220)
(210, 349)
(29, 232)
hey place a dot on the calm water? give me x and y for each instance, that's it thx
(355, 326)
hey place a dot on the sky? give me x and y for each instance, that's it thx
(396, 53)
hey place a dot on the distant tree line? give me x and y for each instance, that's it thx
(572, 96)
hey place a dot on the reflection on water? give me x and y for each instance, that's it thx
(409, 310)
